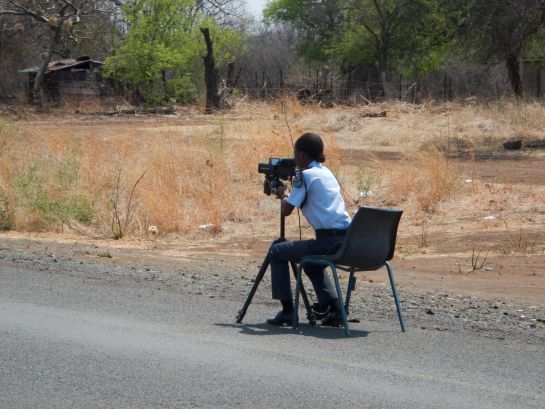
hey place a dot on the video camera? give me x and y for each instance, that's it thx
(276, 170)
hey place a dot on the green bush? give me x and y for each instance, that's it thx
(63, 204)
(6, 212)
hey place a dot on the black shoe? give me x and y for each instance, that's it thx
(282, 318)
(320, 311)
(333, 319)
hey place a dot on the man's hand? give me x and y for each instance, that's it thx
(281, 191)
(267, 187)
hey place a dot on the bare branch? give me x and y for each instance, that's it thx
(26, 11)
(128, 211)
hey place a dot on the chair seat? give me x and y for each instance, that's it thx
(369, 267)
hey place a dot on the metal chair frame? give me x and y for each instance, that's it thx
(334, 262)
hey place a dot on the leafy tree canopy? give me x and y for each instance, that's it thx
(317, 21)
(501, 30)
(403, 35)
(161, 53)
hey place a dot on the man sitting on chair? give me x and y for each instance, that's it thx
(317, 193)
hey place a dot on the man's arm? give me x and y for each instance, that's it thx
(282, 194)
(286, 208)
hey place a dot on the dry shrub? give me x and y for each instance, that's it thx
(440, 180)
(428, 176)
(491, 124)
(132, 180)
(460, 146)
(290, 107)
(207, 182)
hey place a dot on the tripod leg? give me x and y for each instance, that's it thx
(310, 312)
(258, 278)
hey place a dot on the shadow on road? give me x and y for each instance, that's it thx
(304, 330)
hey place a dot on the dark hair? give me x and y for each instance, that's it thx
(312, 145)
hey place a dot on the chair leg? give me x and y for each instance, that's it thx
(396, 299)
(340, 297)
(295, 317)
(351, 287)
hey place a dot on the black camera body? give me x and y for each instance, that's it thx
(276, 170)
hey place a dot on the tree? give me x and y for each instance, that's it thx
(272, 56)
(211, 77)
(59, 17)
(13, 43)
(396, 36)
(160, 55)
(391, 35)
(317, 23)
(157, 53)
(501, 30)
(227, 13)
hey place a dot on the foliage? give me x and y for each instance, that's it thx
(160, 38)
(317, 22)
(161, 53)
(501, 30)
(63, 204)
(397, 33)
(406, 36)
(6, 211)
(367, 180)
(495, 29)
(414, 37)
(536, 43)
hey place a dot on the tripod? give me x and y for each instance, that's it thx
(261, 273)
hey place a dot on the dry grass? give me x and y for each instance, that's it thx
(202, 171)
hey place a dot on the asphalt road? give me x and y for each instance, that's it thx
(76, 341)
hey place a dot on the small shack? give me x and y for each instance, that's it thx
(69, 78)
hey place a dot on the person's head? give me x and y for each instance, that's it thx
(308, 147)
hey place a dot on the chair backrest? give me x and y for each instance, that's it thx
(371, 238)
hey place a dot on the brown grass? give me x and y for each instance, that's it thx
(208, 177)
(202, 170)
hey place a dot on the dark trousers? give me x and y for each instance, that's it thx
(281, 253)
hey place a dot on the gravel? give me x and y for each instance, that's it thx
(218, 278)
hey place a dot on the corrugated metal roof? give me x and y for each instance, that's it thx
(63, 65)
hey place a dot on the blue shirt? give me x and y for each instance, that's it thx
(319, 192)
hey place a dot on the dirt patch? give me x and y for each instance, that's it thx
(499, 167)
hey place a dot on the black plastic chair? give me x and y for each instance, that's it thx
(369, 245)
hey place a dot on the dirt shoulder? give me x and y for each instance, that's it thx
(517, 278)
(496, 303)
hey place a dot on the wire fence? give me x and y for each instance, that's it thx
(484, 83)
(490, 84)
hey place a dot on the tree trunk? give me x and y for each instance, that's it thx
(164, 81)
(385, 85)
(513, 68)
(210, 75)
(383, 65)
(230, 75)
(39, 78)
